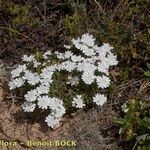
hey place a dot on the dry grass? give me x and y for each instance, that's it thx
(87, 128)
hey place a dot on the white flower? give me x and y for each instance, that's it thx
(11, 85)
(88, 77)
(67, 54)
(28, 107)
(88, 39)
(31, 78)
(112, 59)
(87, 51)
(103, 50)
(106, 47)
(68, 66)
(99, 99)
(16, 72)
(103, 67)
(59, 112)
(77, 43)
(46, 54)
(88, 72)
(80, 66)
(55, 103)
(31, 95)
(52, 121)
(86, 67)
(102, 82)
(26, 58)
(47, 72)
(36, 63)
(78, 102)
(84, 44)
(46, 82)
(43, 102)
(91, 60)
(15, 83)
(60, 55)
(124, 108)
(43, 89)
(75, 58)
(67, 46)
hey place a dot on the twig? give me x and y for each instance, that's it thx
(128, 6)
(99, 6)
(44, 11)
(117, 7)
(14, 31)
(135, 145)
(138, 139)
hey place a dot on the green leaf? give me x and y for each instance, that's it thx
(130, 116)
(139, 148)
(148, 65)
(144, 122)
(139, 120)
(147, 73)
(119, 121)
(123, 129)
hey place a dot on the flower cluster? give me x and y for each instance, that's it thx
(91, 64)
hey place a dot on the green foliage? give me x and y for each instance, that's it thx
(60, 89)
(147, 73)
(77, 5)
(144, 142)
(136, 122)
(19, 15)
(124, 24)
(75, 20)
(22, 17)
(71, 23)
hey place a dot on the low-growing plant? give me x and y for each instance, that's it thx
(59, 82)
(71, 22)
(19, 15)
(135, 122)
(147, 73)
(77, 16)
